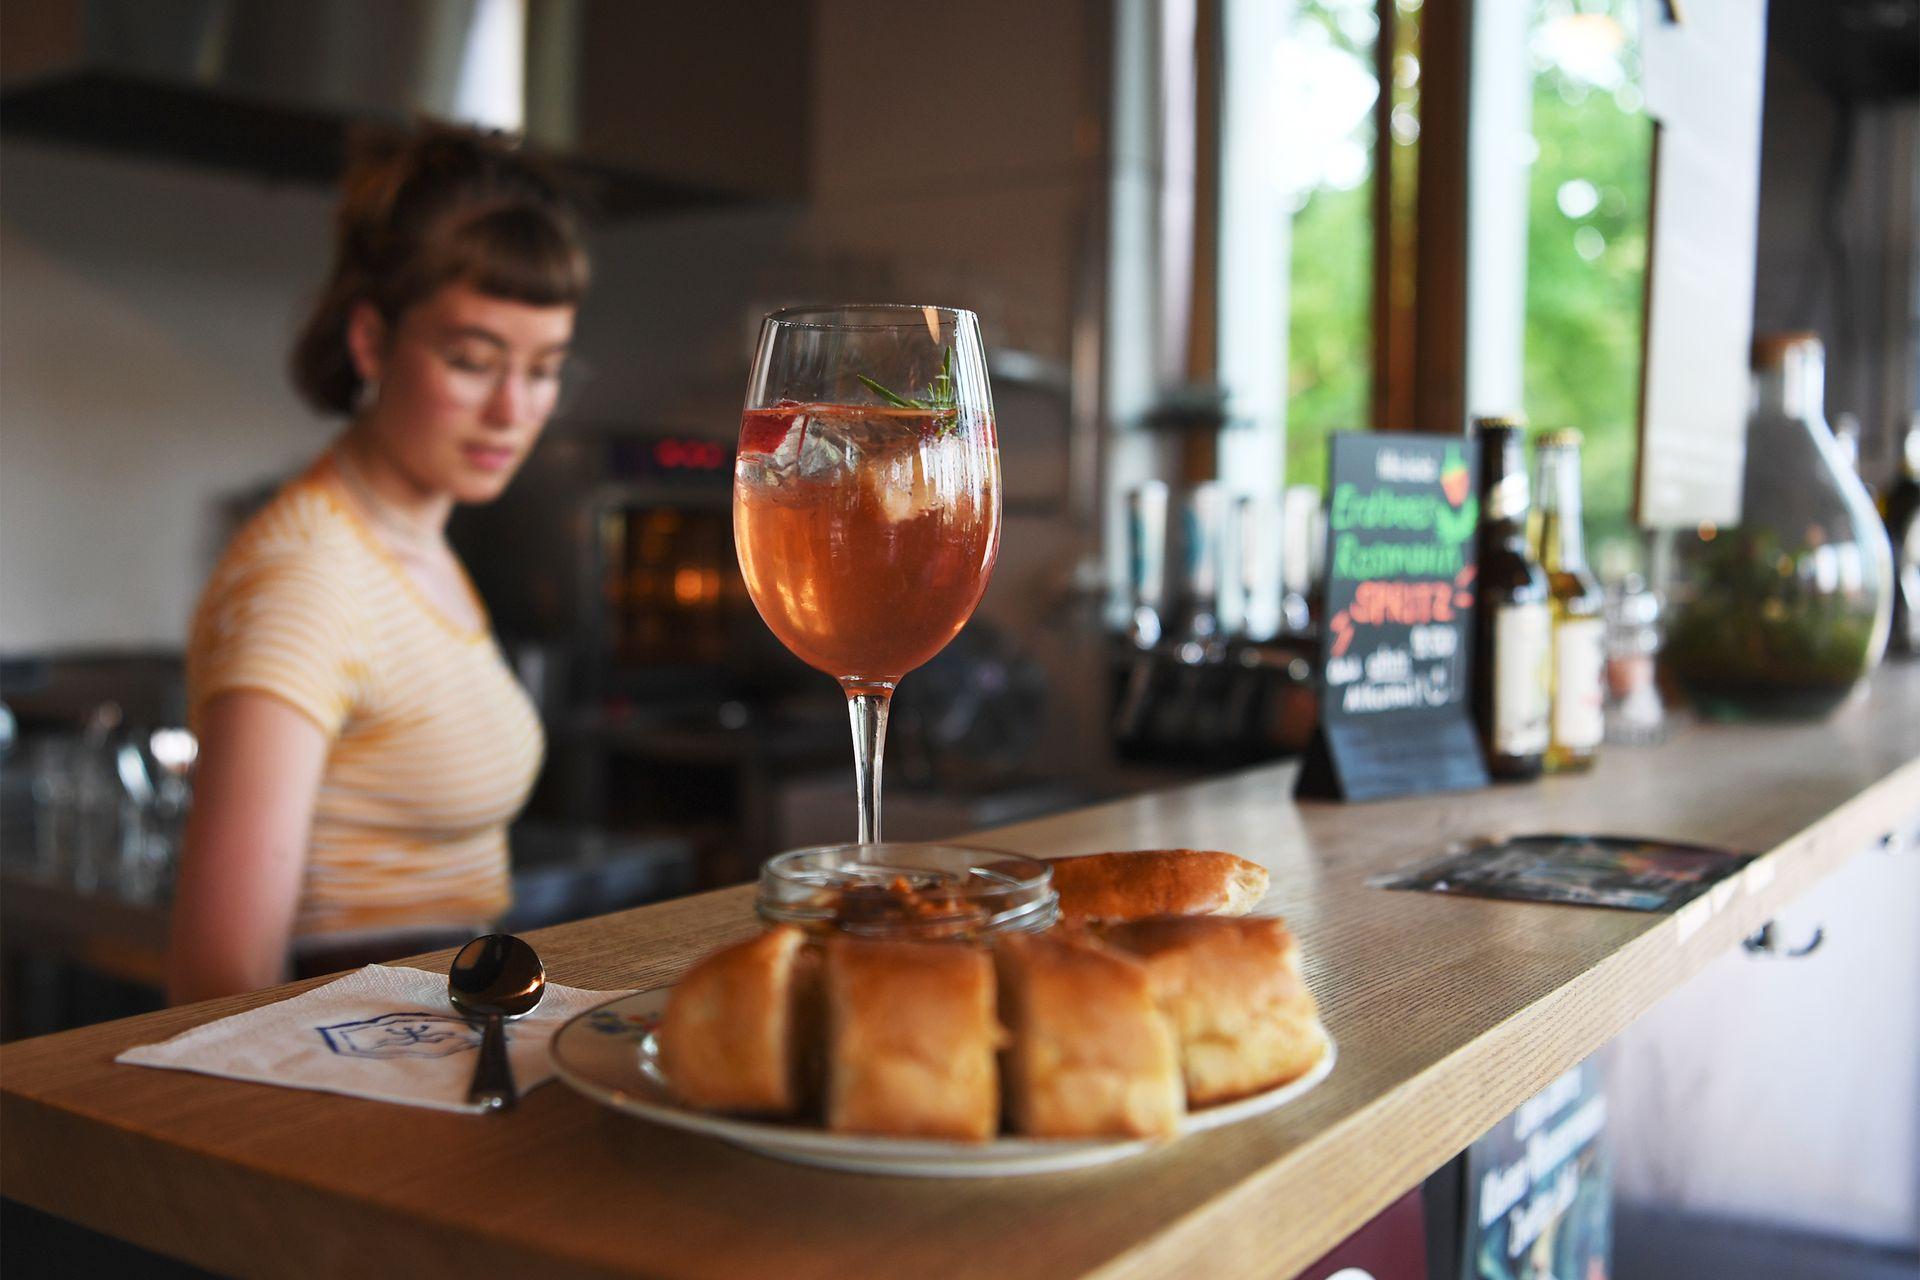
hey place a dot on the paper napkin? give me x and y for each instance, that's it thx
(385, 1033)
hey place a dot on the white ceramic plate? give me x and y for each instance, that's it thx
(609, 1053)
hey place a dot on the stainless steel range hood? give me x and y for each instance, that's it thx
(621, 92)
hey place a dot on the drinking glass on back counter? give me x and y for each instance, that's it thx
(866, 500)
(108, 807)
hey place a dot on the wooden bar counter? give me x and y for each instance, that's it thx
(1448, 1013)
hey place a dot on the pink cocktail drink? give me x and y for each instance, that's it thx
(866, 533)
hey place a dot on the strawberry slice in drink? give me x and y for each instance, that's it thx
(763, 430)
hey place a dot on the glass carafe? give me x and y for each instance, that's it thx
(1786, 613)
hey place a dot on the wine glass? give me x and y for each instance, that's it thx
(866, 498)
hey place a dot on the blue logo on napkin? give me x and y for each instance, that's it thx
(401, 1035)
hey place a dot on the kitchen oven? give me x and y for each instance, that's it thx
(609, 570)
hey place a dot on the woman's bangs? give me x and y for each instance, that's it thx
(522, 254)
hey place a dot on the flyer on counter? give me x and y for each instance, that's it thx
(1579, 870)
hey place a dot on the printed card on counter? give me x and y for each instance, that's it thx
(1397, 647)
(1578, 870)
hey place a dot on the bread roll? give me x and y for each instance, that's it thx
(1091, 1054)
(911, 1039)
(732, 1036)
(1101, 888)
(1233, 991)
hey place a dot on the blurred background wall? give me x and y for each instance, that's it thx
(148, 305)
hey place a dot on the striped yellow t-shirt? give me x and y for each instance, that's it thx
(433, 746)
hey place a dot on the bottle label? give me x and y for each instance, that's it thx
(1508, 497)
(1521, 640)
(1579, 672)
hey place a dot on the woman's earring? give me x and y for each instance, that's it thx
(369, 394)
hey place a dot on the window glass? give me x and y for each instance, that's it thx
(1325, 75)
(1587, 204)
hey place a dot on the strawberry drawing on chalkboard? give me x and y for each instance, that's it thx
(1455, 525)
(1454, 479)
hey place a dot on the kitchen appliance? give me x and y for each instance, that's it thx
(623, 96)
(609, 571)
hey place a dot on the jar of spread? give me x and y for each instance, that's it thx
(908, 892)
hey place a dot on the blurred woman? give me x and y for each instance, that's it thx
(363, 744)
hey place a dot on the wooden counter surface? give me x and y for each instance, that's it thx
(1448, 1013)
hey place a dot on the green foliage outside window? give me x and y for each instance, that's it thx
(1330, 324)
(1586, 257)
(1330, 330)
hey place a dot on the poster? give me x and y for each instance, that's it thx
(1539, 1188)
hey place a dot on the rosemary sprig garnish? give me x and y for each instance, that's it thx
(940, 395)
(893, 398)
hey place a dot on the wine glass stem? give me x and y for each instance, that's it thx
(867, 708)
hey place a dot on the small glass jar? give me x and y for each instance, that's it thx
(908, 892)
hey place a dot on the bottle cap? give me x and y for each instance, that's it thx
(1558, 438)
(1499, 422)
(1771, 349)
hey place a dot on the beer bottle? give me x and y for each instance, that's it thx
(1512, 626)
(1577, 670)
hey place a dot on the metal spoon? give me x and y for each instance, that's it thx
(495, 977)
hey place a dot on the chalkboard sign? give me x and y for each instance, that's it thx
(1396, 646)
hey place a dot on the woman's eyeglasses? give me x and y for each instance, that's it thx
(475, 373)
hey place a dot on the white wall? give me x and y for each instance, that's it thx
(144, 317)
(968, 184)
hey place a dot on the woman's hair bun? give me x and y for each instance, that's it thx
(427, 207)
